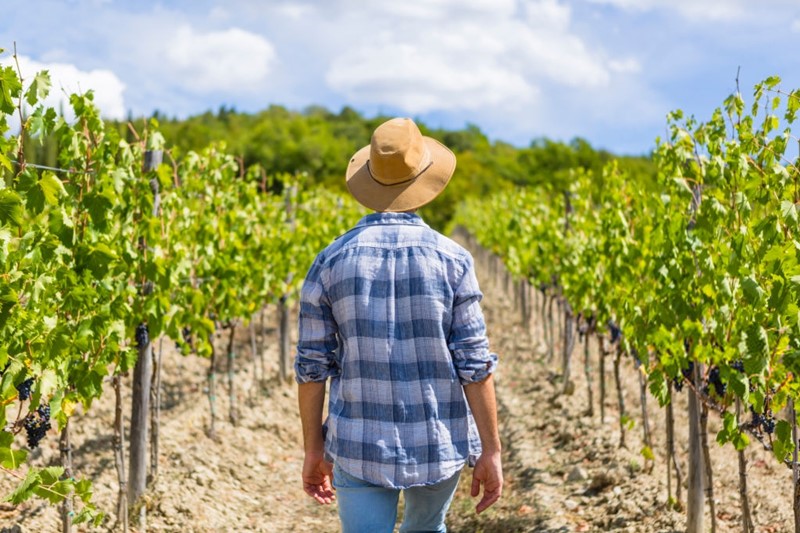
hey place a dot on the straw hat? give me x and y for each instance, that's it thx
(400, 169)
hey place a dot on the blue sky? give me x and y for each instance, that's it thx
(605, 70)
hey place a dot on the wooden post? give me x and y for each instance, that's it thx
(285, 343)
(262, 344)
(233, 413)
(569, 336)
(620, 397)
(140, 406)
(119, 456)
(694, 518)
(795, 468)
(211, 380)
(155, 409)
(601, 362)
(286, 365)
(747, 519)
(587, 368)
(142, 373)
(66, 461)
(551, 347)
(646, 435)
(672, 458)
(254, 351)
(709, 488)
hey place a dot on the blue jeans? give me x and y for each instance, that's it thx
(368, 508)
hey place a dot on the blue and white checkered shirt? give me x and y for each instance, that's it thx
(390, 311)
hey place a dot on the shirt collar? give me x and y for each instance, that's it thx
(377, 219)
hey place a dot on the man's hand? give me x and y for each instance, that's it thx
(317, 477)
(489, 473)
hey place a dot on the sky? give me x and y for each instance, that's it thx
(607, 71)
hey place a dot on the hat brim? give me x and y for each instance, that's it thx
(402, 196)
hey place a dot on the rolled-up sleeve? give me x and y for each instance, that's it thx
(317, 330)
(468, 342)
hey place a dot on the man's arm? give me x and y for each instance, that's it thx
(314, 364)
(488, 469)
(317, 473)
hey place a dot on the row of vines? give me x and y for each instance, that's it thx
(698, 282)
(120, 243)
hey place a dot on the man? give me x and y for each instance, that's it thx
(390, 312)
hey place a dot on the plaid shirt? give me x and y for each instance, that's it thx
(390, 312)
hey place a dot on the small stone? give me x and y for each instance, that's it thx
(617, 491)
(577, 474)
(203, 476)
(571, 505)
(602, 480)
(525, 510)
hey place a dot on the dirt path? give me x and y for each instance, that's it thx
(564, 471)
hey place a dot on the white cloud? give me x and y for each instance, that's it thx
(219, 13)
(435, 11)
(549, 13)
(796, 26)
(702, 10)
(230, 60)
(67, 79)
(417, 81)
(294, 10)
(448, 55)
(630, 65)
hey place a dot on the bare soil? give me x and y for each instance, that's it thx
(564, 470)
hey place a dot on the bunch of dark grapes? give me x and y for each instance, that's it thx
(715, 381)
(188, 338)
(687, 373)
(142, 335)
(765, 422)
(738, 365)
(768, 423)
(583, 327)
(37, 425)
(24, 389)
(614, 331)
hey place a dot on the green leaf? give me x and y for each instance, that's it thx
(6, 163)
(10, 208)
(789, 212)
(658, 387)
(47, 383)
(737, 381)
(9, 458)
(10, 87)
(753, 292)
(772, 81)
(782, 445)
(757, 344)
(52, 487)
(730, 433)
(683, 184)
(25, 489)
(99, 202)
(647, 453)
(39, 88)
(51, 188)
(83, 489)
